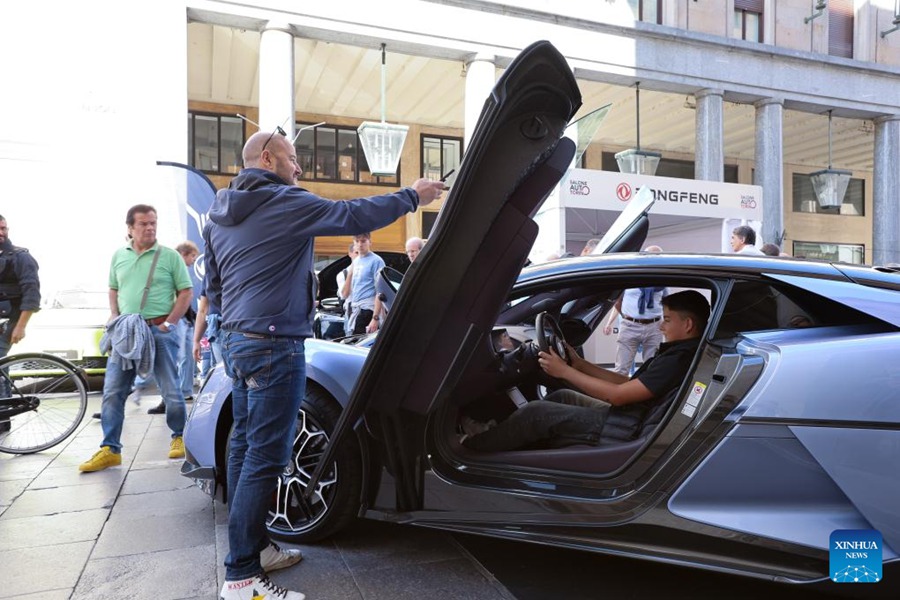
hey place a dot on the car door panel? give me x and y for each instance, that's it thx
(515, 159)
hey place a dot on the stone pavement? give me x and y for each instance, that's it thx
(142, 531)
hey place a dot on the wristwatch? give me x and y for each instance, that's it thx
(168, 325)
(376, 318)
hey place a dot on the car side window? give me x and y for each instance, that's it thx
(760, 305)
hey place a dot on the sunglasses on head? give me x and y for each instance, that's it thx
(278, 130)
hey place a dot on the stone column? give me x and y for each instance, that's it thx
(480, 80)
(886, 192)
(769, 169)
(276, 77)
(709, 163)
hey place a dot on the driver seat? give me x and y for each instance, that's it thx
(608, 456)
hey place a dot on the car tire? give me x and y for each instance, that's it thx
(336, 503)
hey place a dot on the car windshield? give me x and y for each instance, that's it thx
(80, 299)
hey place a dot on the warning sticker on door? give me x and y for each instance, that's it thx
(693, 400)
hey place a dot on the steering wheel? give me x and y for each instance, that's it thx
(549, 335)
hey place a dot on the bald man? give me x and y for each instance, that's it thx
(259, 269)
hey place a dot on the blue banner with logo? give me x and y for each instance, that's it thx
(196, 194)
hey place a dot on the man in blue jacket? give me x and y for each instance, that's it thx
(259, 261)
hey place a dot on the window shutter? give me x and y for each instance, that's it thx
(840, 28)
(750, 5)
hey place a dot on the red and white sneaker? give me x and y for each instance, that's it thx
(257, 588)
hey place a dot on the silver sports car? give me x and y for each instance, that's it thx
(783, 436)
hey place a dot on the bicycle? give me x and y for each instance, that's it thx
(43, 399)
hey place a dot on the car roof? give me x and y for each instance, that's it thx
(712, 265)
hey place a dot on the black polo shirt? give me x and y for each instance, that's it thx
(668, 368)
(660, 374)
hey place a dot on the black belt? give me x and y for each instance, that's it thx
(641, 321)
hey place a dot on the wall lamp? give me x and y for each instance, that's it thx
(896, 21)
(820, 7)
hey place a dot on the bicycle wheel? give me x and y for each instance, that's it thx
(42, 401)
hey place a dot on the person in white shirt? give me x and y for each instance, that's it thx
(743, 241)
(641, 312)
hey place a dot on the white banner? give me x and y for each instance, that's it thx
(608, 190)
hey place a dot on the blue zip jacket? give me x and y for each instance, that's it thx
(259, 248)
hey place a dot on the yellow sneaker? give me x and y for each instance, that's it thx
(176, 450)
(102, 459)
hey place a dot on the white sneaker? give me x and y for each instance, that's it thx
(256, 588)
(274, 557)
(135, 396)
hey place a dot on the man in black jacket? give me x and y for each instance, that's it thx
(20, 289)
(20, 295)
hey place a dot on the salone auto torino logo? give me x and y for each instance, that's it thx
(579, 188)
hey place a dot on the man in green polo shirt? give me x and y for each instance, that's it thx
(168, 298)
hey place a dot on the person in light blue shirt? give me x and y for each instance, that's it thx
(360, 284)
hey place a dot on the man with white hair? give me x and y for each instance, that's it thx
(414, 245)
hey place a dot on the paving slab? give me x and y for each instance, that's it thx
(23, 466)
(67, 476)
(63, 594)
(124, 536)
(11, 489)
(167, 575)
(162, 504)
(60, 500)
(165, 478)
(49, 530)
(26, 569)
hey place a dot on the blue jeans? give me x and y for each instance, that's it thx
(5, 344)
(269, 376)
(186, 364)
(117, 385)
(566, 417)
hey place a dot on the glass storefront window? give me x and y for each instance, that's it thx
(440, 155)
(206, 143)
(306, 152)
(333, 153)
(215, 142)
(847, 253)
(232, 144)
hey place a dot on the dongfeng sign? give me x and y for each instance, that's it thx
(607, 190)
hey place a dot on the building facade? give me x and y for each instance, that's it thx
(735, 90)
(730, 90)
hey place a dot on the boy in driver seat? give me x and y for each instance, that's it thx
(607, 404)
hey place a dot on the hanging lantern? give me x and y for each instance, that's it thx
(382, 142)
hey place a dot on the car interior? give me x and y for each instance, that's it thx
(504, 374)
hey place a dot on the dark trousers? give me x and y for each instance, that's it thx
(362, 320)
(565, 417)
